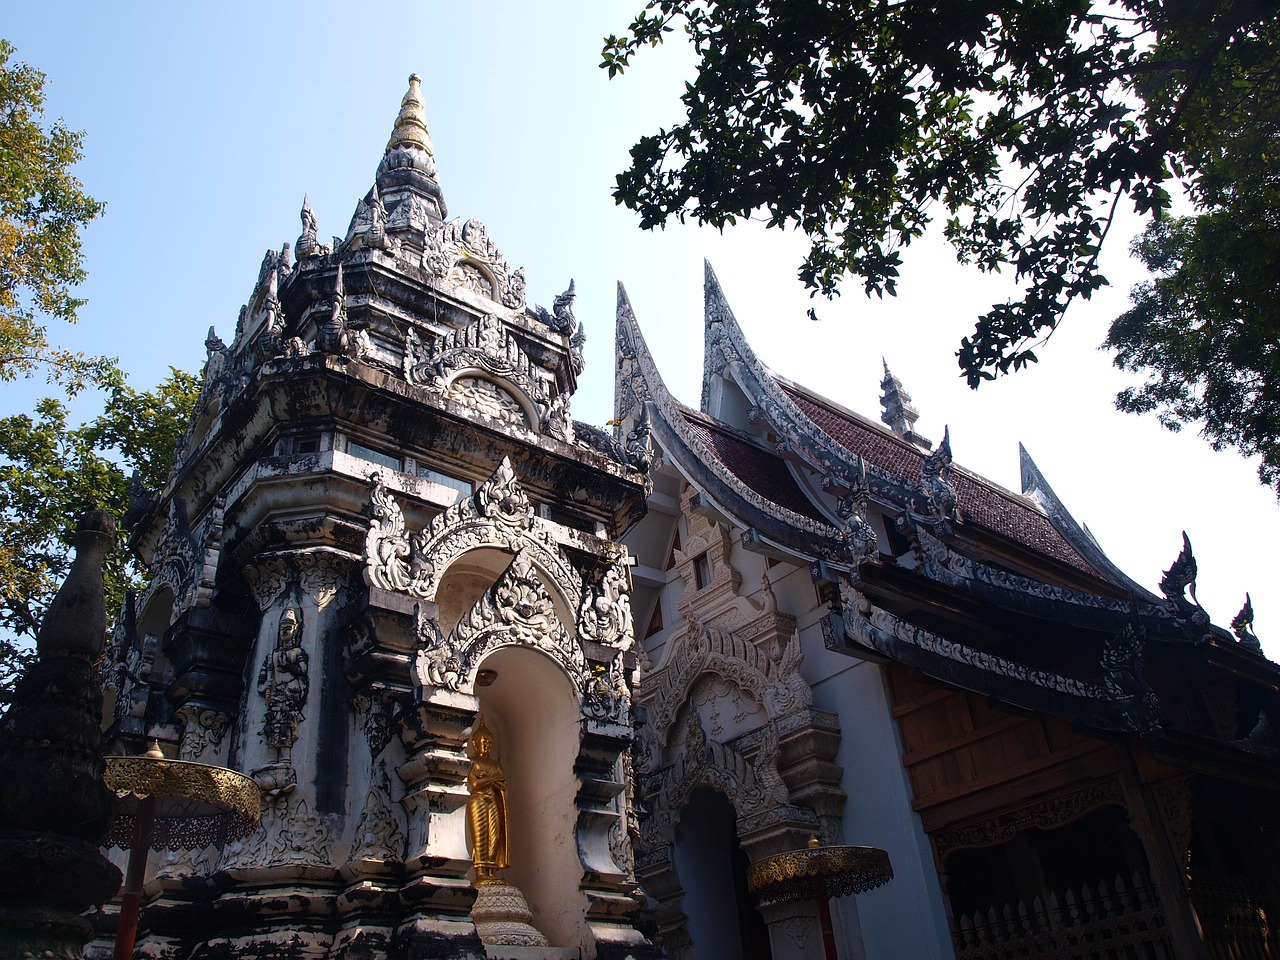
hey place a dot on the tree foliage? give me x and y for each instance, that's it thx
(1021, 126)
(42, 210)
(1206, 327)
(52, 472)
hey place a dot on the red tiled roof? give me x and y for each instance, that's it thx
(981, 503)
(760, 470)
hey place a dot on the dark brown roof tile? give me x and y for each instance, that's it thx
(981, 502)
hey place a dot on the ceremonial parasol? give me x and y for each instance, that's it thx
(819, 873)
(171, 805)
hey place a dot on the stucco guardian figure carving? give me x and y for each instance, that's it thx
(283, 684)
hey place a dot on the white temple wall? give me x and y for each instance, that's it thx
(533, 712)
(906, 917)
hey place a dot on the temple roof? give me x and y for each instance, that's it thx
(762, 471)
(980, 501)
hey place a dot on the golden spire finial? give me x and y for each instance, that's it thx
(411, 124)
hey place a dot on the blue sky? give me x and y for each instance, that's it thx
(206, 124)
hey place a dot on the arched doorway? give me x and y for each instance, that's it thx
(533, 711)
(722, 923)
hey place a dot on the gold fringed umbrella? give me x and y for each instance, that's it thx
(819, 873)
(171, 805)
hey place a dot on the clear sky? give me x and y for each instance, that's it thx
(206, 123)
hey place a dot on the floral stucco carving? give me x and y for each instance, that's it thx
(448, 245)
(497, 515)
(290, 835)
(605, 614)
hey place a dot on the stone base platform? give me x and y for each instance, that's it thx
(503, 919)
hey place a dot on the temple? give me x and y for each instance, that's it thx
(696, 640)
(384, 520)
(845, 632)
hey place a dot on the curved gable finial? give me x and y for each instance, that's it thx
(727, 354)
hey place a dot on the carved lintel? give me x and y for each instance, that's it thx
(1045, 815)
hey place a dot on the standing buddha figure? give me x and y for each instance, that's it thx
(486, 809)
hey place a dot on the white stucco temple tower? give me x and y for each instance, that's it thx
(384, 522)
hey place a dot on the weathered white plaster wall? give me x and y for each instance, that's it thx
(906, 918)
(533, 712)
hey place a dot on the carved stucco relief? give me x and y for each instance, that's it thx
(449, 245)
(289, 835)
(185, 560)
(498, 515)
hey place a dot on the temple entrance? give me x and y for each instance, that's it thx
(1081, 890)
(533, 712)
(712, 869)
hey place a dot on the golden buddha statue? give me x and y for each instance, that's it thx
(486, 809)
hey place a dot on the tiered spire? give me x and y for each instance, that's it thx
(409, 163)
(898, 414)
(411, 124)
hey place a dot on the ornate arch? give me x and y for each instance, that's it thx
(704, 762)
(485, 349)
(499, 515)
(516, 610)
(776, 685)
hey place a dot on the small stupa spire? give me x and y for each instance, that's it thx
(408, 167)
(898, 413)
(411, 124)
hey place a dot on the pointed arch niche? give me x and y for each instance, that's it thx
(493, 610)
(723, 924)
(532, 710)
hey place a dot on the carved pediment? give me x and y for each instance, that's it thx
(518, 610)
(483, 367)
(462, 253)
(498, 515)
(775, 685)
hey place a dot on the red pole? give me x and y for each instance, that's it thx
(824, 918)
(131, 900)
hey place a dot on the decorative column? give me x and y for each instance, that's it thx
(435, 734)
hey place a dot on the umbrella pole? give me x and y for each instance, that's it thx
(824, 918)
(131, 900)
